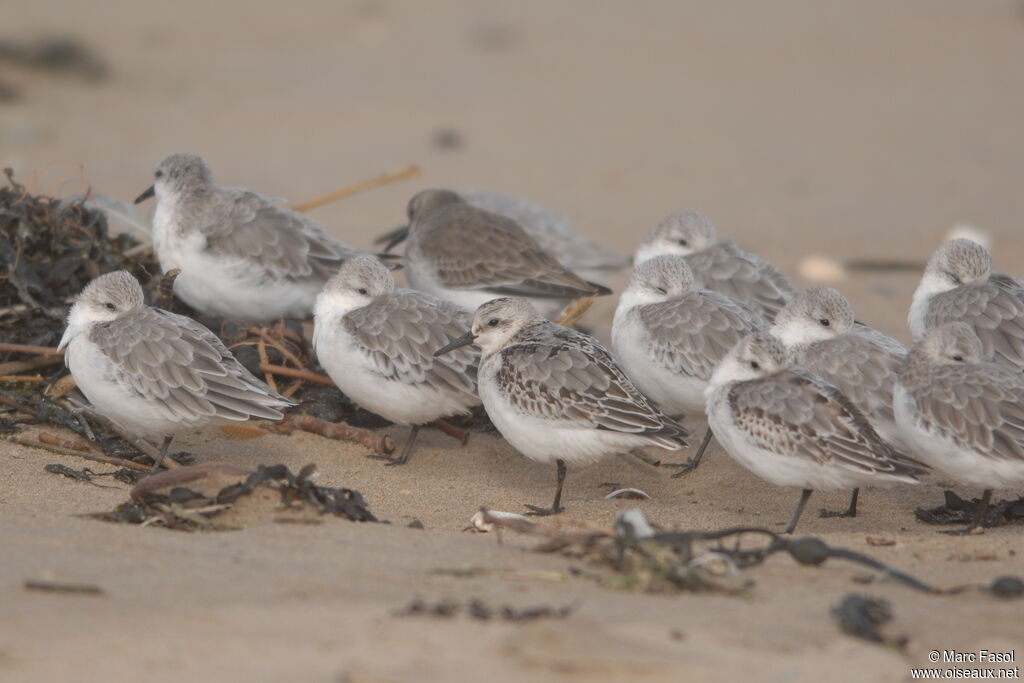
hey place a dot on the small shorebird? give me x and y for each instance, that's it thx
(958, 285)
(240, 254)
(964, 416)
(377, 343)
(670, 334)
(468, 256)
(153, 372)
(551, 230)
(792, 428)
(718, 264)
(818, 330)
(556, 394)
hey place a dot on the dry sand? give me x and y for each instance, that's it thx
(853, 129)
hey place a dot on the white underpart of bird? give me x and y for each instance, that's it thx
(962, 414)
(556, 394)
(154, 372)
(241, 255)
(718, 264)
(377, 344)
(792, 428)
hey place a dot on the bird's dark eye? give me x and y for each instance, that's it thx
(754, 365)
(110, 305)
(958, 358)
(159, 174)
(362, 290)
(955, 279)
(661, 290)
(825, 322)
(493, 322)
(682, 243)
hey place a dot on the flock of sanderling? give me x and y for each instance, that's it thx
(788, 382)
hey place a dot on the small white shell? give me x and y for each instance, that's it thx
(478, 523)
(821, 269)
(633, 522)
(634, 494)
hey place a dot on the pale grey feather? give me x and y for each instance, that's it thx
(993, 309)
(796, 414)
(725, 268)
(399, 332)
(182, 368)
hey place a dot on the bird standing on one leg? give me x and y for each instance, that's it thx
(154, 372)
(556, 394)
(377, 343)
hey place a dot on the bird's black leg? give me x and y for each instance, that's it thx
(555, 506)
(848, 512)
(404, 457)
(164, 447)
(979, 517)
(804, 496)
(695, 460)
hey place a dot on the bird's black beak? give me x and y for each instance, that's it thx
(150, 191)
(464, 340)
(393, 238)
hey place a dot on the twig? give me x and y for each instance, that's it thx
(451, 430)
(15, 366)
(572, 313)
(62, 387)
(165, 290)
(296, 373)
(72, 444)
(55, 587)
(265, 336)
(95, 457)
(383, 444)
(29, 348)
(261, 351)
(21, 379)
(406, 173)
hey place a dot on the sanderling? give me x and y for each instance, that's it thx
(958, 285)
(820, 335)
(670, 334)
(240, 254)
(377, 343)
(153, 372)
(556, 394)
(551, 230)
(718, 264)
(468, 256)
(963, 415)
(792, 428)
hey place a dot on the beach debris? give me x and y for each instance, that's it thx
(61, 587)
(1007, 587)
(957, 510)
(59, 54)
(821, 269)
(477, 609)
(631, 494)
(862, 617)
(646, 559)
(479, 520)
(192, 498)
(85, 474)
(878, 541)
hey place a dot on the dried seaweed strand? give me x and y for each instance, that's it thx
(296, 373)
(24, 440)
(383, 443)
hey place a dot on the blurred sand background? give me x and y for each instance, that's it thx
(854, 129)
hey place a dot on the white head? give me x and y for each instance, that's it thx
(495, 323)
(179, 174)
(812, 315)
(357, 283)
(955, 263)
(659, 279)
(949, 344)
(105, 299)
(684, 232)
(757, 355)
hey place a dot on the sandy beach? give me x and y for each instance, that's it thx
(857, 130)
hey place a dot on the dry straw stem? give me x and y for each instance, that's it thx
(296, 373)
(407, 173)
(572, 313)
(15, 366)
(25, 440)
(383, 444)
